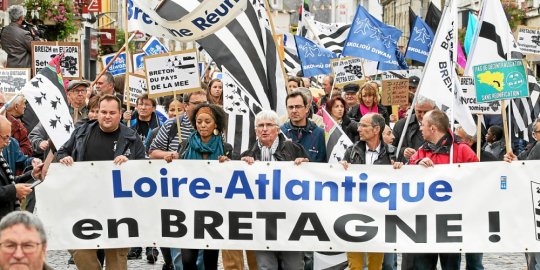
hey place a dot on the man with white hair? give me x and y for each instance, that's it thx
(271, 145)
(16, 40)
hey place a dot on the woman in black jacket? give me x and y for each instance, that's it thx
(337, 107)
(369, 102)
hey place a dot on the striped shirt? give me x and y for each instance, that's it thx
(160, 142)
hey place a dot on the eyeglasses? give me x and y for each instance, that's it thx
(265, 125)
(297, 107)
(365, 125)
(78, 92)
(198, 102)
(11, 247)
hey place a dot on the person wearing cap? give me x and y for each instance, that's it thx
(349, 94)
(76, 94)
(413, 83)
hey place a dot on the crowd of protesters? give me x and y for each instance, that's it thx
(193, 126)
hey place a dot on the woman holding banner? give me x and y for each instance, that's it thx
(369, 103)
(206, 142)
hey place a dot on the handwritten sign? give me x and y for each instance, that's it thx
(395, 92)
(347, 70)
(44, 52)
(12, 80)
(137, 87)
(167, 73)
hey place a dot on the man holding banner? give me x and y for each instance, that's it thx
(105, 139)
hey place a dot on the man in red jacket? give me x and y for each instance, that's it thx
(435, 128)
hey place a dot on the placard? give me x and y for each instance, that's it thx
(137, 87)
(395, 92)
(44, 51)
(170, 72)
(469, 99)
(154, 46)
(500, 80)
(119, 65)
(528, 39)
(12, 80)
(138, 60)
(347, 70)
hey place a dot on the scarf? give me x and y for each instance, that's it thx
(196, 148)
(267, 154)
(365, 110)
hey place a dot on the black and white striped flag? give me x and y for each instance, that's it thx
(241, 108)
(494, 42)
(332, 36)
(291, 62)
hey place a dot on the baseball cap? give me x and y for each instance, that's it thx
(413, 81)
(74, 83)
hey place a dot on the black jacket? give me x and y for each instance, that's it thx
(350, 127)
(356, 154)
(355, 114)
(413, 136)
(129, 144)
(227, 149)
(8, 194)
(532, 152)
(286, 150)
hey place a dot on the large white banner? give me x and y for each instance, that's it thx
(480, 207)
(202, 19)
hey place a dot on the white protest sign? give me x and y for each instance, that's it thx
(347, 70)
(203, 18)
(12, 80)
(137, 87)
(528, 39)
(469, 99)
(170, 72)
(44, 51)
(313, 206)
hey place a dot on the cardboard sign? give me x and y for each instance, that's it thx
(137, 87)
(119, 65)
(154, 46)
(138, 60)
(500, 80)
(395, 92)
(43, 52)
(347, 70)
(12, 80)
(167, 73)
(469, 99)
(528, 39)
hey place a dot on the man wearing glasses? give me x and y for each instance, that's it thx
(76, 91)
(531, 153)
(302, 130)
(165, 145)
(23, 242)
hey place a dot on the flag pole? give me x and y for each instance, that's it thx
(267, 8)
(178, 120)
(505, 126)
(128, 61)
(112, 61)
(478, 135)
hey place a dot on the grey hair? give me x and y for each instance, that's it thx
(27, 219)
(267, 115)
(109, 77)
(306, 92)
(378, 120)
(425, 100)
(16, 101)
(15, 12)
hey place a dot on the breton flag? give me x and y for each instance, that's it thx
(291, 62)
(494, 42)
(241, 108)
(303, 12)
(45, 94)
(246, 48)
(439, 81)
(335, 139)
(331, 36)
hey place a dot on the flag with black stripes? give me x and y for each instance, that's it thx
(303, 11)
(494, 42)
(291, 61)
(241, 108)
(331, 36)
(335, 139)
